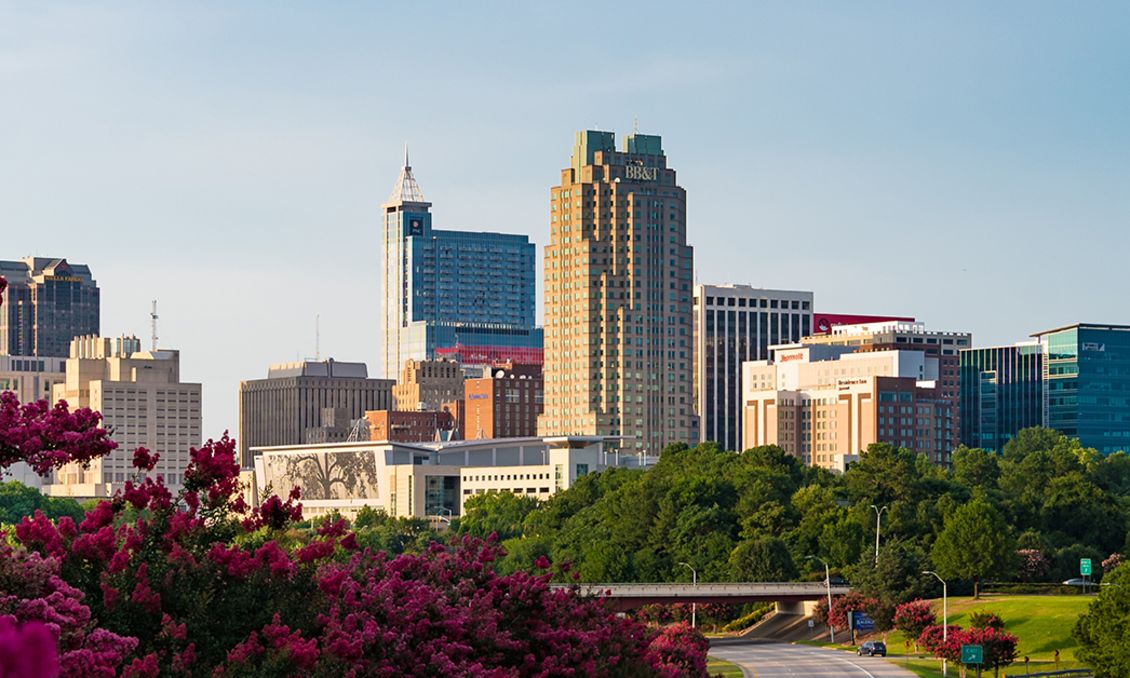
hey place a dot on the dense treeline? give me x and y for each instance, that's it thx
(1027, 514)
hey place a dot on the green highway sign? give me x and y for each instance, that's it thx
(1085, 566)
(972, 654)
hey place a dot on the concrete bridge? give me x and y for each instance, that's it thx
(628, 596)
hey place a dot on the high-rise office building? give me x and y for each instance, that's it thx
(734, 324)
(1002, 392)
(618, 278)
(452, 289)
(305, 402)
(1087, 384)
(48, 303)
(142, 401)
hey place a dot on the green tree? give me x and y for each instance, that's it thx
(975, 543)
(762, 559)
(1101, 631)
(500, 513)
(18, 500)
(895, 579)
(974, 467)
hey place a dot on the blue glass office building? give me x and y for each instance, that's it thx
(1001, 392)
(1087, 384)
(446, 287)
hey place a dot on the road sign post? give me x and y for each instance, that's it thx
(973, 654)
(1085, 571)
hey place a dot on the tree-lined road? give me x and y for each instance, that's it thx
(780, 660)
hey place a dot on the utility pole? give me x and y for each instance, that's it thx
(878, 523)
(945, 616)
(828, 587)
(694, 605)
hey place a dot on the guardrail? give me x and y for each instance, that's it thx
(767, 589)
(1078, 673)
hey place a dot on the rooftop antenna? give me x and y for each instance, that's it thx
(636, 125)
(318, 337)
(406, 154)
(153, 326)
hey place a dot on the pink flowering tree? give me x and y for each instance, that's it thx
(841, 607)
(998, 646)
(913, 617)
(199, 584)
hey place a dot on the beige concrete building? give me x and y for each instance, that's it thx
(825, 404)
(942, 348)
(31, 378)
(430, 480)
(427, 385)
(618, 277)
(142, 401)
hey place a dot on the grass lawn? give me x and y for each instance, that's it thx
(1042, 623)
(721, 667)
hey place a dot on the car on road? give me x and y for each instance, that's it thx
(872, 648)
(1075, 581)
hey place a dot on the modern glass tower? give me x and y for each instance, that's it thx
(1087, 384)
(452, 289)
(618, 278)
(1002, 392)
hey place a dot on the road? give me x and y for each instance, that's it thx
(780, 660)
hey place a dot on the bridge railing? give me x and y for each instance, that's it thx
(720, 590)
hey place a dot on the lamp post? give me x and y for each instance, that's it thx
(828, 588)
(694, 582)
(945, 614)
(878, 522)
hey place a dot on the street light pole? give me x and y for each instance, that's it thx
(945, 614)
(828, 588)
(878, 522)
(694, 604)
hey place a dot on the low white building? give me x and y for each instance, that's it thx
(428, 479)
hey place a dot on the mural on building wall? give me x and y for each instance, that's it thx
(324, 475)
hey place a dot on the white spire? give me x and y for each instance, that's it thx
(406, 189)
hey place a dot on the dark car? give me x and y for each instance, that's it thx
(872, 648)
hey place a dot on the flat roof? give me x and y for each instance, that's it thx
(1084, 326)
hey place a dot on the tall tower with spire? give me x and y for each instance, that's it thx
(447, 292)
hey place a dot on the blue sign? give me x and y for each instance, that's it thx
(861, 622)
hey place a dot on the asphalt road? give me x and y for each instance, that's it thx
(780, 660)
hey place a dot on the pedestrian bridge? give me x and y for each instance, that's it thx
(628, 596)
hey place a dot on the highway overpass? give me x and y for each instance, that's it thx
(628, 596)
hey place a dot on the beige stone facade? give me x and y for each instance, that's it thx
(144, 404)
(825, 404)
(618, 287)
(427, 384)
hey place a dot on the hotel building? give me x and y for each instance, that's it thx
(618, 286)
(734, 324)
(453, 291)
(827, 403)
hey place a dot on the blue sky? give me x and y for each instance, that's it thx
(966, 163)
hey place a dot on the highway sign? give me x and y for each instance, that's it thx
(1085, 566)
(861, 622)
(972, 654)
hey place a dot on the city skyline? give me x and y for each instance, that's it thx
(186, 157)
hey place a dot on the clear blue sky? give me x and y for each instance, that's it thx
(966, 163)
